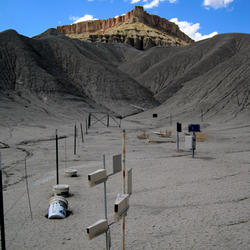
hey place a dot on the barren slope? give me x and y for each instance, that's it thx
(52, 63)
(212, 75)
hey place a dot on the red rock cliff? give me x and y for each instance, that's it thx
(138, 13)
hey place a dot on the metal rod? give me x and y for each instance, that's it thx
(27, 187)
(177, 141)
(81, 132)
(86, 125)
(2, 209)
(65, 152)
(123, 183)
(193, 145)
(75, 140)
(57, 163)
(107, 120)
(89, 123)
(105, 203)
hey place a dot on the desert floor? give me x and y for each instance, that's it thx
(177, 203)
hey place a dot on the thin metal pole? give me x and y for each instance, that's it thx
(27, 187)
(89, 124)
(81, 132)
(65, 153)
(177, 141)
(86, 126)
(123, 183)
(75, 140)
(57, 167)
(2, 209)
(193, 144)
(107, 120)
(105, 203)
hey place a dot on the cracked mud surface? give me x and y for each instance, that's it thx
(177, 202)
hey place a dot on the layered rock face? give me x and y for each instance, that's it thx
(136, 28)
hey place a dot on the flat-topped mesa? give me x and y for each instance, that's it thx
(129, 28)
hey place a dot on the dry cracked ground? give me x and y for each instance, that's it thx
(177, 203)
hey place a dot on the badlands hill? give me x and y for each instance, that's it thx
(136, 28)
(212, 75)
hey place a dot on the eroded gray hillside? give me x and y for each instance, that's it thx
(212, 75)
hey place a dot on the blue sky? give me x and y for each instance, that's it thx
(198, 18)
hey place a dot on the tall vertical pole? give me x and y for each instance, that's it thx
(107, 120)
(65, 152)
(2, 209)
(82, 132)
(177, 141)
(86, 126)
(193, 144)
(105, 203)
(123, 184)
(89, 124)
(75, 140)
(27, 187)
(57, 167)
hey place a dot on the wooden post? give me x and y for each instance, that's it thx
(123, 184)
(57, 162)
(2, 209)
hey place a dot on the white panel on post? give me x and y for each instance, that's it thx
(117, 163)
(188, 142)
(97, 228)
(121, 206)
(97, 177)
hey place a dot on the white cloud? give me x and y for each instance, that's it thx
(135, 1)
(216, 4)
(192, 29)
(151, 4)
(77, 19)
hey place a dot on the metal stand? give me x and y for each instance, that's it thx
(105, 205)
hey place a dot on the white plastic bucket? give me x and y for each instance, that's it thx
(57, 208)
